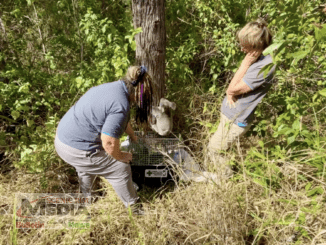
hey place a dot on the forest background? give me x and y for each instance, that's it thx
(54, 51)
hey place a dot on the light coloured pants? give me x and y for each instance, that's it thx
(227, 133)
(89, 165)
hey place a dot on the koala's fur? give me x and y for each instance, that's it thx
(162, 117)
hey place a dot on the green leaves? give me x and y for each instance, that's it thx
(299, 55)
(24, 88)
(316, 191)
(131, 37)
(322, 92)
(16, 13)
(79, 81)
(320, 33)
(15, 115)
(51, 53)
(30, 122)
(30, 2)
(273, 47)
(112, 52)
(266, 69)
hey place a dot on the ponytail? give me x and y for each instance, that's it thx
(139, 83)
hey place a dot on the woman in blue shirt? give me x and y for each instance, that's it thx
(88, 134)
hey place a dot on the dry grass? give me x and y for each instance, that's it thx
(240, 211)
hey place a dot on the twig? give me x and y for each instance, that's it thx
(39, 30)
(295, 169)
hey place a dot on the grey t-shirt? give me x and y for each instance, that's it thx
(246, 103)
(102, 109)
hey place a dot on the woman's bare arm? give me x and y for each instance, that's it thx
(237, 85)
(240, 88)
(112, 147)
(131, 133)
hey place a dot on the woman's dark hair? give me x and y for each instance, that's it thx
(139, 83)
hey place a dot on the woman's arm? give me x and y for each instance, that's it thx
(239, 74)
(112, 147)
(131, 133)
(237, 85)
(239, 88)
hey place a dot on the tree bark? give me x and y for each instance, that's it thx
(151, 42)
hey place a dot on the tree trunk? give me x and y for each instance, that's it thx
(151, 42)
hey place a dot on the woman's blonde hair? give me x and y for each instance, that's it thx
(139, 83)
(255, 35)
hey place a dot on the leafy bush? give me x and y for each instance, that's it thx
(67, 49)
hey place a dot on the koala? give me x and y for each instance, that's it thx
(161, 121)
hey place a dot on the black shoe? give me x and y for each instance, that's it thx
(137, 209)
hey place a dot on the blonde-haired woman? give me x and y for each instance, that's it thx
(88, 134)
(246, 90)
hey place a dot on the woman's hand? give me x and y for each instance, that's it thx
(251, 57)
(131, 133)
(134, 138)
(112, 147)
(231, 99)
(126, 157)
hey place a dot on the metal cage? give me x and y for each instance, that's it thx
(151, 149)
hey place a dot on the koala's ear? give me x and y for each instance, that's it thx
(162, 102)
(165, 103)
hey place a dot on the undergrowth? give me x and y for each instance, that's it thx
(54, 51)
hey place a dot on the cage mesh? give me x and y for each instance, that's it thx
(152, 149)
